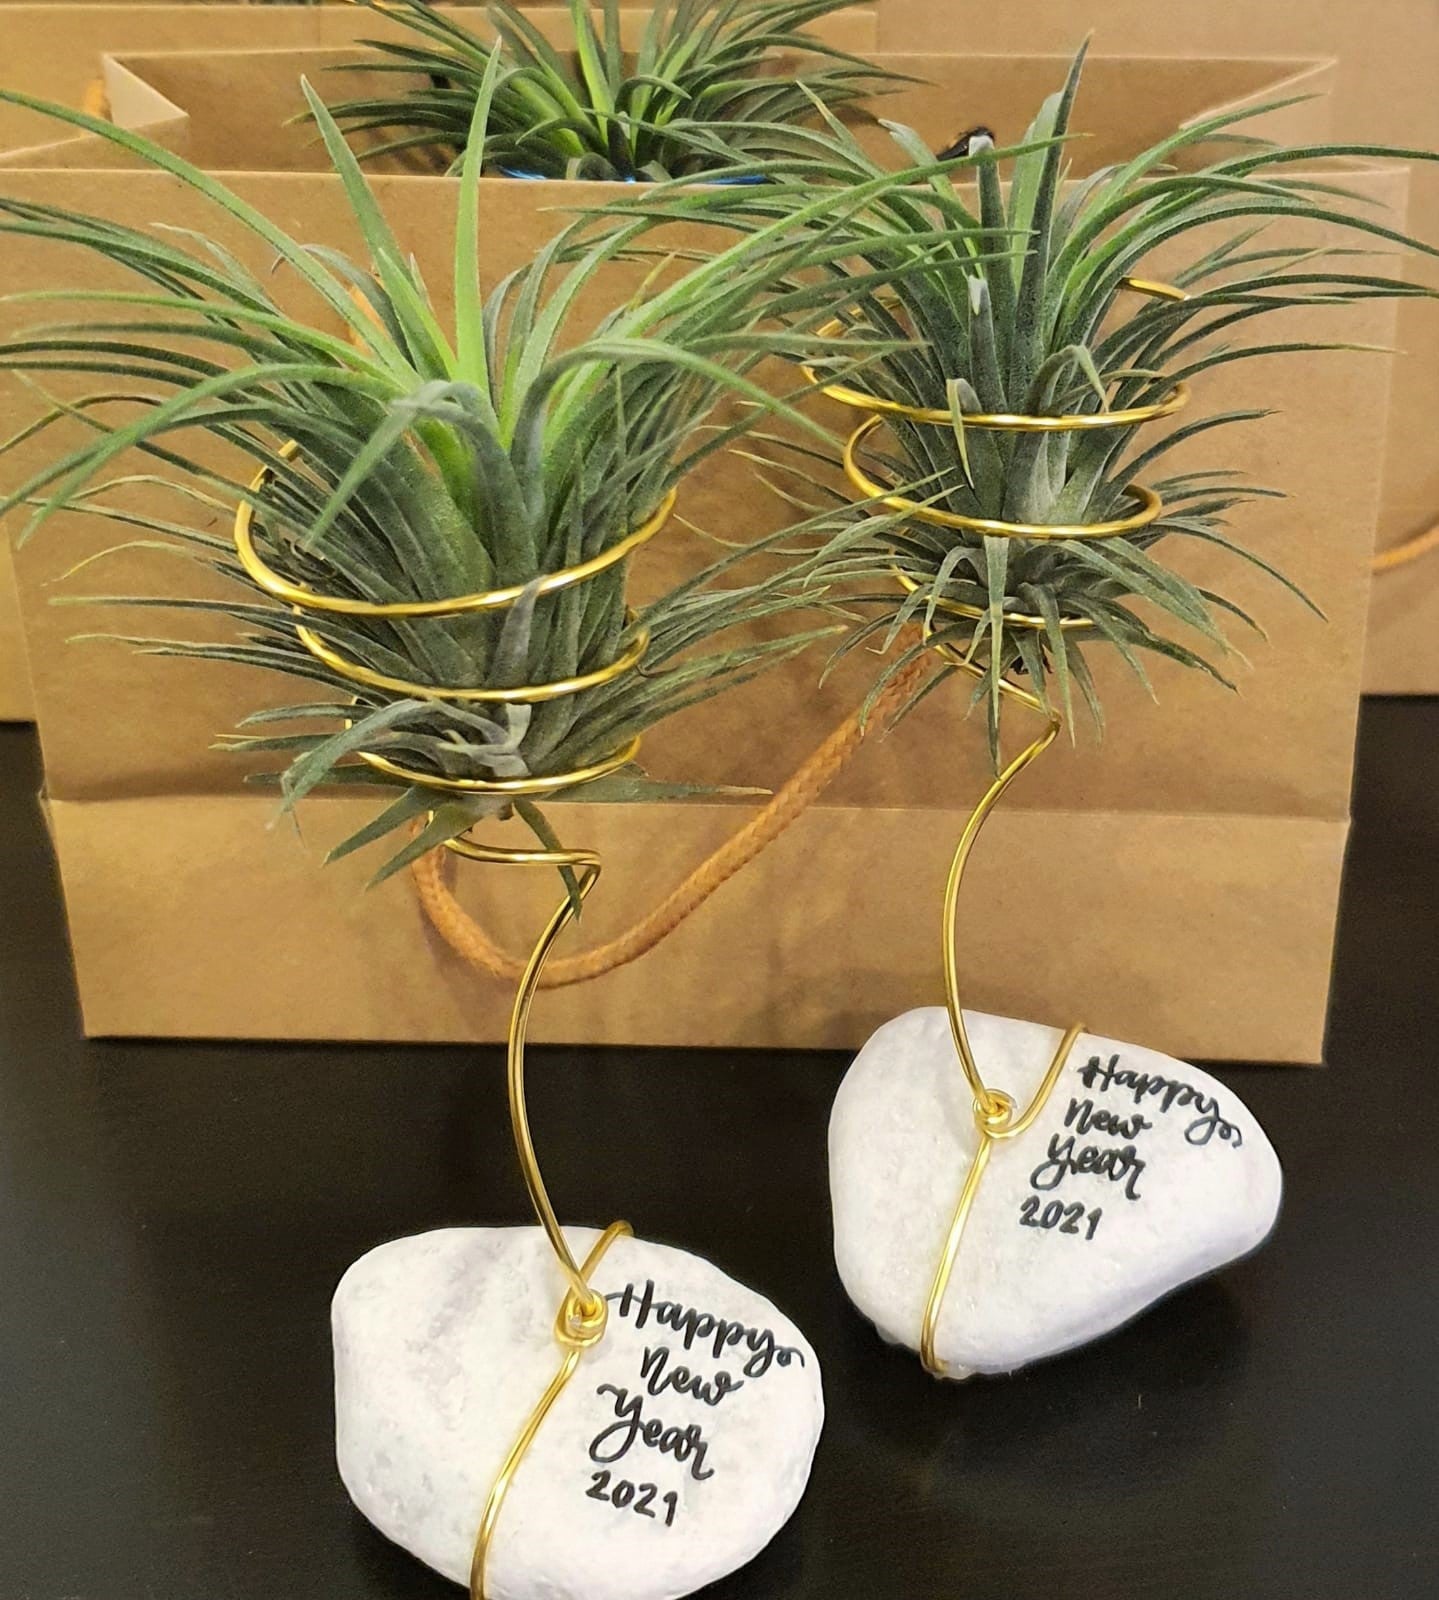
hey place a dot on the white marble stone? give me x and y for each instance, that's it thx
(1198, 1187)
(444, 1343)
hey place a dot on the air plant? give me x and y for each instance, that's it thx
(1025, 303)
(402, 462)
(709, 81)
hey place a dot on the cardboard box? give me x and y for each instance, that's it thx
(1178, 884)
(1387, 92)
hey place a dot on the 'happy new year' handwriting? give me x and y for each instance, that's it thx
(695, 1327)
(1120, 1163)
(1169, 1092)
(664, 1378)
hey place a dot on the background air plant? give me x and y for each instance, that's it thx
(701, 93)
(426, 466)
(1019, 304)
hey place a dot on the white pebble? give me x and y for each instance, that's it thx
(1141, 1174)
(679, 1449)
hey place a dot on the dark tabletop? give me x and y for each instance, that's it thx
(174, 1217)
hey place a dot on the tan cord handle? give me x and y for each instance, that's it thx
(95, 100)
(1402, 554)
(468, 940)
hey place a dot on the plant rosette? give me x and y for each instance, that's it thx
(710, 84)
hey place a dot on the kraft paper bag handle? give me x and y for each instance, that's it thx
(96, 99)
(469, 941)
(1410, 550)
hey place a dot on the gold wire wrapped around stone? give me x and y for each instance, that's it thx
(574, 1337)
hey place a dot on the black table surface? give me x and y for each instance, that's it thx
(174, 1217)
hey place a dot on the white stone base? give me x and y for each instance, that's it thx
(1141, 1174)
(636, 1487)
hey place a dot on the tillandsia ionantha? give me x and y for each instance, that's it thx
(402, 462)
(1025, 303)
(701, 93)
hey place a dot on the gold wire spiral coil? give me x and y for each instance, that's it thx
(527, 694)
(1150, 505)
(1006, 421)
(1015, 619)
(303, 599)
(505, 788)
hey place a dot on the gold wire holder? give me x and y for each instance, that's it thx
(278, 587)
(583, 1315)
(997, 1119)
(1148, 503)
(1007, 421)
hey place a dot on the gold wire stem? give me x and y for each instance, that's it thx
(1150, 505)
(984, 1097)
(586, 865)
(1008, 421)
(992, 1127)
(994, 1117)
(525, 694)
(574, 1348)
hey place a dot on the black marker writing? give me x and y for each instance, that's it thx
(655, 1369)
(1171, 1093)
(694, 1327)
(614, 1442)
(1117, 1164)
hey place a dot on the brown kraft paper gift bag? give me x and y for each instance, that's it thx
(54, 51)
(1181, 879)
(1387, 93)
